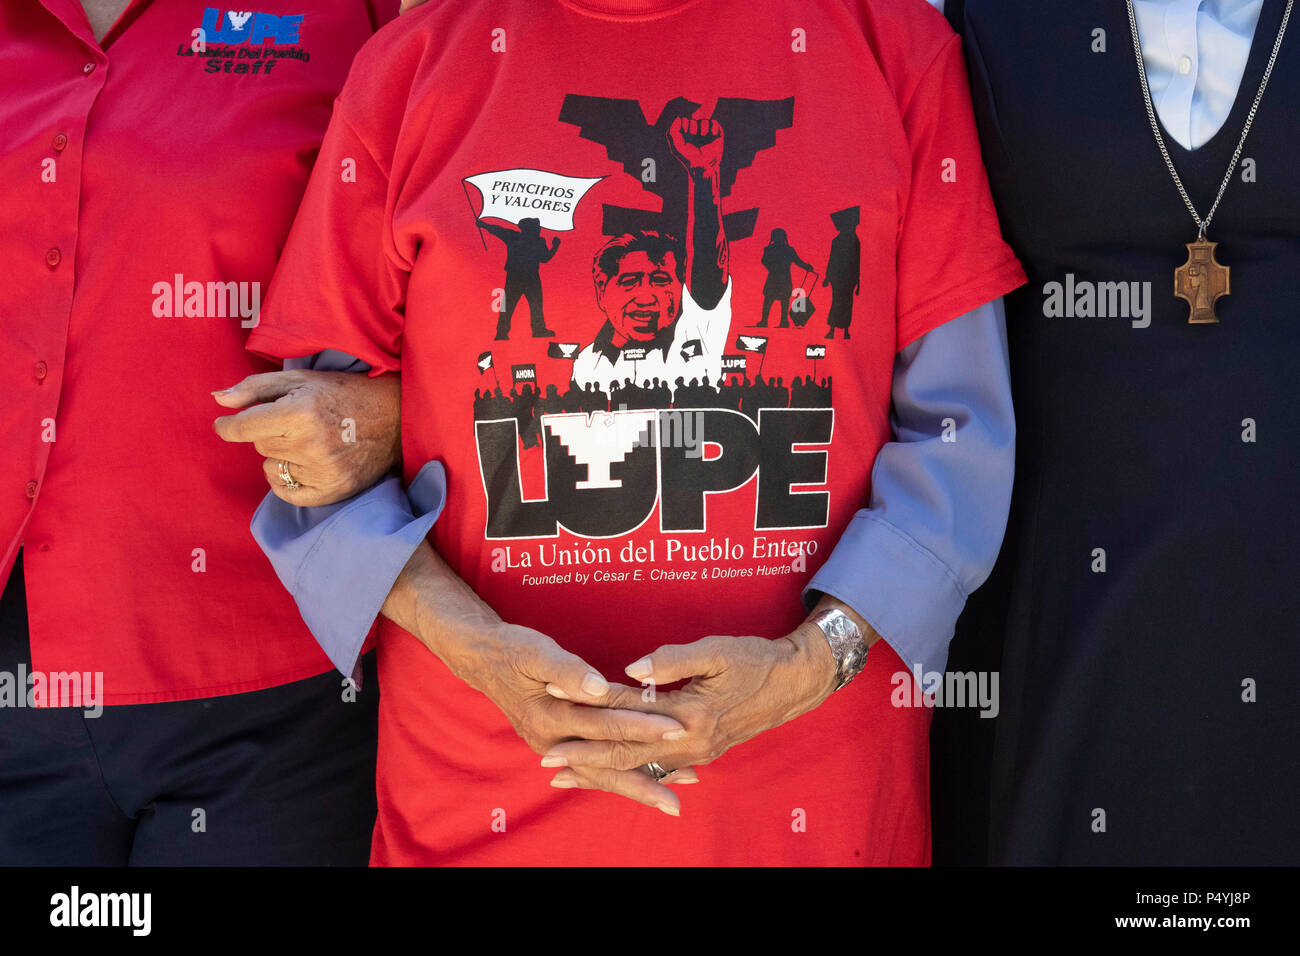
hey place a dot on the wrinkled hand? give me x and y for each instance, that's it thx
(543, 690)
(739, 687)
(339, 432)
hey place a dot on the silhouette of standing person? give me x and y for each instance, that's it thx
(778, 256)
(842, 271)
(781, 395)
(525, 404)
(526, 250)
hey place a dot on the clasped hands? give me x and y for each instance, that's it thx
(600, 735)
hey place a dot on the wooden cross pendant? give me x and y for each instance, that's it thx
(1201, 280)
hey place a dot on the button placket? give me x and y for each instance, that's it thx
(1176, 101)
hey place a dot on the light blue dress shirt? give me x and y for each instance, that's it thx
(934, 524)
(1195, 54)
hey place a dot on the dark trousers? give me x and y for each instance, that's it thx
(283, 776)
(784, 302)
(522, 287)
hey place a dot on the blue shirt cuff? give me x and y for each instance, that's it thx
(902, 590)
(340, 561)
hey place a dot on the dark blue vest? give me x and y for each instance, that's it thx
(1122, 690)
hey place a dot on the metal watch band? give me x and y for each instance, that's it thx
(848, 645)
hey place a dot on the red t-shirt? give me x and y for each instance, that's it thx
(667, 509)
(149, 185)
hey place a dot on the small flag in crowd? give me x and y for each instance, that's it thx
(484, 362)
(752, 343)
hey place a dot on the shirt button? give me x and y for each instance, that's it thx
(88, 69)
(31, 489)
(60, 141)
(41, 371)
(53, 257)
(1185, 65)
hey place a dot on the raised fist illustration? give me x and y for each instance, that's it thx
(697, 142)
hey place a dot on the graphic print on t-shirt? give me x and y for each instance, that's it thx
(666, 400)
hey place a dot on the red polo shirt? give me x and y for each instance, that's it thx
(619, 519)
(150, 181)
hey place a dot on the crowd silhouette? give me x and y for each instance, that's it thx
(527, 405)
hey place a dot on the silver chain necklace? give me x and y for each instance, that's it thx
(1202, 279)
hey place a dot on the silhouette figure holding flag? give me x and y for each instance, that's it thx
(526, 250)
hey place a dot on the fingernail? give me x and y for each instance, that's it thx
(669, 809)
(640, 670)
(563, 784)
(554, 760)
(684, 776)
(224, 391)
(674, 735)
(556, 692)
(594, 685)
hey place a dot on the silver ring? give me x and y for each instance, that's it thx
(657, 771)
(285, 477)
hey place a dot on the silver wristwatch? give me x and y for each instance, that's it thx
(847, 644)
